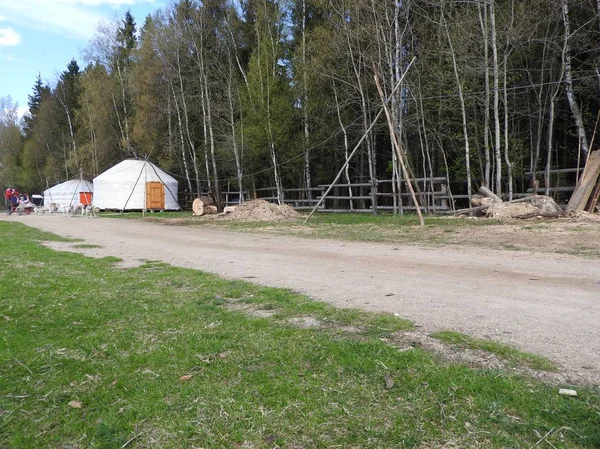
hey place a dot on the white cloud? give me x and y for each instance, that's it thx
(22, 110)
(2, 18)
(75, 18)
(9, 37)
(9, 57)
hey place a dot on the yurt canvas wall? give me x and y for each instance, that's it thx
(135, 185)
(68, 193)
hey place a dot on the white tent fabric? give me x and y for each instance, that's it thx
(123, 187)
(67, 193)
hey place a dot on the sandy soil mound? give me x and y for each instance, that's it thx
(261, 210)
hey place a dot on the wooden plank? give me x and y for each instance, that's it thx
(582, 194)
(362, 184)
(555, 171)
(332, 197)
(436, 180)
(591, 206)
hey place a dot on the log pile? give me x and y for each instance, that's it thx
(204, 206)
(490, 205)
(586, 195)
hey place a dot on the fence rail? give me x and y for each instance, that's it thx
(434, 194)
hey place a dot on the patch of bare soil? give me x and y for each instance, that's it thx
(250, 310)
(96, 253)
(577, 236)
(305, 322)
(261, 210)
(405, 341)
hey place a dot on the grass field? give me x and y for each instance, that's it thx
(95, 356)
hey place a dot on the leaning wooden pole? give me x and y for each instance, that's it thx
(360, 141)
(399, 152)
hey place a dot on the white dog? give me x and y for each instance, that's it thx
(91, 211)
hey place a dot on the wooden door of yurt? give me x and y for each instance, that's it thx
(155, 195)
(85, 198)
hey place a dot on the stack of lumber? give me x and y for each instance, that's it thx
(587, 192)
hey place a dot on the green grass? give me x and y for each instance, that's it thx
(86, 246)
(503, 351)
(79, 329)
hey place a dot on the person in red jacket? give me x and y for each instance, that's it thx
(11, 197)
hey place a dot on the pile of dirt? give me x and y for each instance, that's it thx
(261, 210)
(538, 205)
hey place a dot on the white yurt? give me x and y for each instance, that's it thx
(69, 193)
(135, 185)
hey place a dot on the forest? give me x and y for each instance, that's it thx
(248, 94)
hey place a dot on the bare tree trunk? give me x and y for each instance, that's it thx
(125, 112)
(569, 82)
(188, 134)
(462, 108)
(114, 101)
(550, 142)
(205, 140)
(506, 143)
(345, 133)
(496, 100)
(483, 20)
(365, 118)
(63, 102)
(217, 189)
(305, 106)
(506, 146)
(541, 111)
(236, 153)
(182, 139)
(428, 152)
(94, 147)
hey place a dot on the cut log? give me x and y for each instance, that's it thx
(469, 210)
(482, 201)
(198, 207)
(483, 190)
(585, 189)
(539, 215)
(208, 200)
(476, 200)
(210, 210)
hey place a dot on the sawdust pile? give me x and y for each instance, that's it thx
(261, 210)
(534, 206)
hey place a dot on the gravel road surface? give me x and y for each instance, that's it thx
(548, 304)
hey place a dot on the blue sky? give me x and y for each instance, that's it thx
(42, 36)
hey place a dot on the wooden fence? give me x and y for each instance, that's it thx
(435, 195)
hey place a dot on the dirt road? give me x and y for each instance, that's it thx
(543, 303)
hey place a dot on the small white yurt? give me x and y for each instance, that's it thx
(69, 193)
(135, 185)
